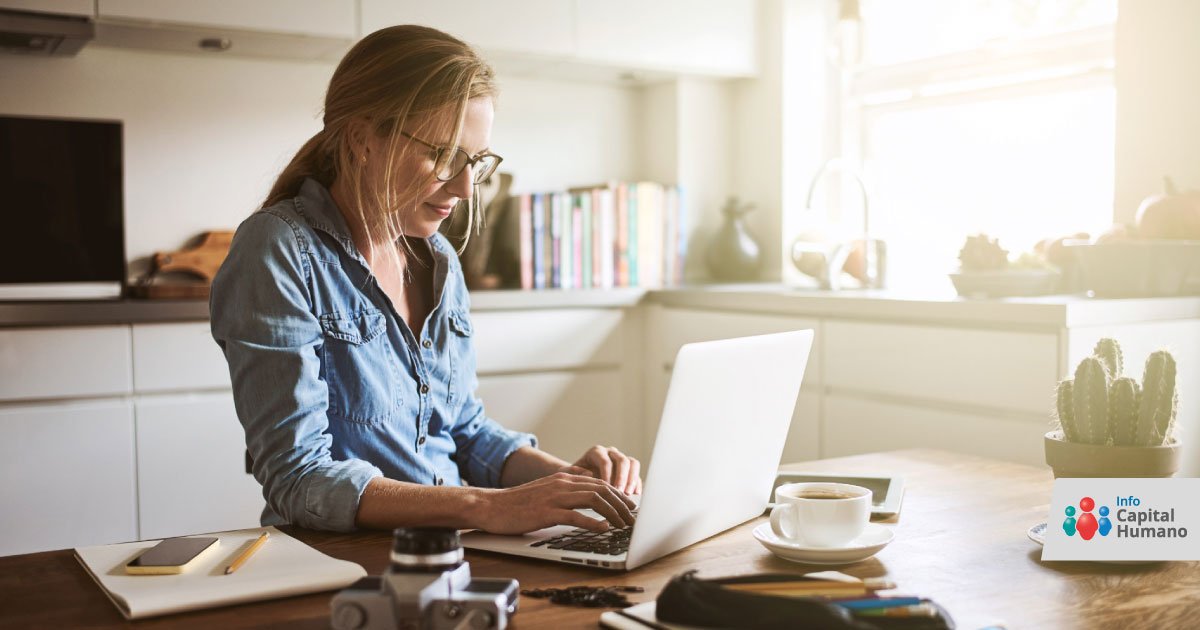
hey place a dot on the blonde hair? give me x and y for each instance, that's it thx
(391, 79)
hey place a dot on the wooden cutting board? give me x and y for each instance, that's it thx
(200, 262)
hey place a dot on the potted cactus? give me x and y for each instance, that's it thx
(1112, 426)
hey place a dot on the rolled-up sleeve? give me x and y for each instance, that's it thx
(262, 320)
(483, 444)
(486, 445)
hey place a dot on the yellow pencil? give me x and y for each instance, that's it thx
(237, 563)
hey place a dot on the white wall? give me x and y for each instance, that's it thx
(686, 137)
(783, 124)
(555, 134)
(1158, 99)
(205, 136)
(705, 118)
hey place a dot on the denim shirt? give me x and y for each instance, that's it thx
(330, 384)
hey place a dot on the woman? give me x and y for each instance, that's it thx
(345, 319)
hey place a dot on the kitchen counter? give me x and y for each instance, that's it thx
(133, 311)
(1049, 312)
(1052, 311)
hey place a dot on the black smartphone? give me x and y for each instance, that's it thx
(172, 555)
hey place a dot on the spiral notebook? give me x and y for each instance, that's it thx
(283, 567)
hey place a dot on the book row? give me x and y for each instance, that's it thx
(615, 235)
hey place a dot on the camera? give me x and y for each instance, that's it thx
(428, 585)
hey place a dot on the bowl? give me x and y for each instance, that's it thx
(1006, 282)
(1142, 268)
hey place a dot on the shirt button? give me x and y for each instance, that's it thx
(424, 388)
(421, 440)
(440, 481)
(427, 343)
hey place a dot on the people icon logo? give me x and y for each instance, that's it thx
(1087, 525)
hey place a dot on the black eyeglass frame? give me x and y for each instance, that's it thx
(477, 177)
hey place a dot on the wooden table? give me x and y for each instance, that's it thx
(960, 540)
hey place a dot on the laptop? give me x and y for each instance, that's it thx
(727, 413)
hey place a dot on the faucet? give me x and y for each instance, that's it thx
(826, 261)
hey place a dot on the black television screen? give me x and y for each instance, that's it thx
(61, 199)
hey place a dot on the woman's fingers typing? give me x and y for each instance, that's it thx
(613, 466)
(615, 512)
(554, 500)
(613, 491)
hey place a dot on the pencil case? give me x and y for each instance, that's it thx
(708, 603)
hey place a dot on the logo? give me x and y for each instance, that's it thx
(1123, 519)
(1087, 525)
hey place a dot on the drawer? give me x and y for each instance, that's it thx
(68, 475)
(852, 425)
(191, 466)
(1000, 369)
(677, 327)
(512, 341)
(568, 411)
(177, 357)
(64, 362)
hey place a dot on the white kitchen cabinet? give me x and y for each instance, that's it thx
(1009, 370)
(570, 375)
(669, 329)
(713, 37)
(191, 466)
(68, 475)
(81, 8)
(67, 362)
(803, 440)
(680, 326)
(537, 27)
(702, 37)
(177, 357)
(300, 30)
(568, 411)
(319, 18)
(851, 425)
(544, 340)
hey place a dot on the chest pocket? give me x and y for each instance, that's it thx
(462, 369)
(360, 366)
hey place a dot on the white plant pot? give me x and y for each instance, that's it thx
(1070, 459)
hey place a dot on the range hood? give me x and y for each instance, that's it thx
(43, 34)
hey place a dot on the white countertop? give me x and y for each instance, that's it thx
(1055, 310)
(924, 308)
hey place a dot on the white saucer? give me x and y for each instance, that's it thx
(873, 538)
(1037, 534)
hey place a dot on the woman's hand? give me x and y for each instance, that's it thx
(608, 464)
(551, 501)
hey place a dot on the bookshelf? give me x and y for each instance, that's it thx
(617, 91)
(616, 235)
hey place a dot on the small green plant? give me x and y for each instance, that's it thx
(1100, 406)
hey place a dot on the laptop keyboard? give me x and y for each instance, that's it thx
(613, 542)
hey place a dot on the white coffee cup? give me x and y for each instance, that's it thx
(820, 514)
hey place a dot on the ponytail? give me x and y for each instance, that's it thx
(312, 160)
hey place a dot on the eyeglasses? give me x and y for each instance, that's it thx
(449, 162)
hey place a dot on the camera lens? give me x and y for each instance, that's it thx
(422, 549)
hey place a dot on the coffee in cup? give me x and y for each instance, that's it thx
(818, 493)
(820, 514)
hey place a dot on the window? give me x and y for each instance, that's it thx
(971, 116)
